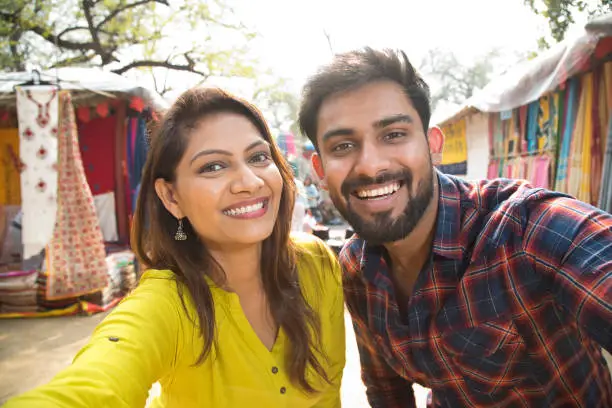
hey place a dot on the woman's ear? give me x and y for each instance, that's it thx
(167, 194)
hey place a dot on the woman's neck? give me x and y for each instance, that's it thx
(241, 265)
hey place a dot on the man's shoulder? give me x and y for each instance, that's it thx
(350, 256)
(502, 195)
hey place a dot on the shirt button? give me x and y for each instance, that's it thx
(274, 370)
(283, 390)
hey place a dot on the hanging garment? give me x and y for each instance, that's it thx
(37, 110)
(97, 144)
(561, 175)
(541, 171)
(605, 192)
(10, 177)
(75, 257)
(493, 171)
(140, 156)
(130, 141)
(584, 193)
(105, 209)
(543, 131)
(574, 170)
(533, 111)
(596, 155)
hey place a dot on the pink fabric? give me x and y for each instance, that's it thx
(542, 171)
(493, 171)
(75, 257)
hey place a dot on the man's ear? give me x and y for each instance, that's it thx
(166, 193)
(317, 165)
(436, 144)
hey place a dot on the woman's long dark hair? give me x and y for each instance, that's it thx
(154, 229)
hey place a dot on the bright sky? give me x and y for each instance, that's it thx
(292, 40)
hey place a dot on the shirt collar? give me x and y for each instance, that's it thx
(448, 240)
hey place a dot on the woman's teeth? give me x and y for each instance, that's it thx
(244, 210)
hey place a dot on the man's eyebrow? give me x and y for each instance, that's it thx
(336, 133)
(389, 120)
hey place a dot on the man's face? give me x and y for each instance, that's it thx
(375, 160)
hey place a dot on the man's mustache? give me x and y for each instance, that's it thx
(351, 184)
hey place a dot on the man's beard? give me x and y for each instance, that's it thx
(383, 227)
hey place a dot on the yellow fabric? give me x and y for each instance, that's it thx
(10, 178)
(587, 138)
(158, 341)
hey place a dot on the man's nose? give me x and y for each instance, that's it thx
(372, 160)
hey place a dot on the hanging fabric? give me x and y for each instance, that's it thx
(596, 155)
(10, 167)
(584, 192)
(533, 111)
(37, 109)
(541, 171)
(605, 192)
(561, 182)
(97, 144)
(75, 257)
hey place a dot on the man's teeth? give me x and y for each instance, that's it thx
(376, 192)
(244, 210)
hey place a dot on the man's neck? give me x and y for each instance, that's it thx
(408, 256)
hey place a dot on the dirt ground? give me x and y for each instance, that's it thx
(32, 351)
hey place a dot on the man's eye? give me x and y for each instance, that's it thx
(341, 147)
(394, 135)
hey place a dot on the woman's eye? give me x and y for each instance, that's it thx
(211, 168)
(261, 157)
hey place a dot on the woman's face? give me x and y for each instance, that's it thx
(227, 184)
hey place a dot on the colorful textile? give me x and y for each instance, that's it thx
(511, 309)
(561, 182)
(37, 109)
(97, 144)
(137, 148)
(605, 195)
(10, 178)
(541, 171)
(75, 257)
(157, 340)
(533, 113)
(584, 189)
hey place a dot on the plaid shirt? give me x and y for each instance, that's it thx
(510, 311)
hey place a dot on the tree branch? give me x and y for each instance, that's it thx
(119, 10)
(73, 60)
(70, 29)
(44, 33)
(189, 67)
(87, 5)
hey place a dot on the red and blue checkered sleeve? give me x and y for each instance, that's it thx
(384, 387)
(571, 243)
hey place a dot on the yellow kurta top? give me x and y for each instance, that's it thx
(150, 338)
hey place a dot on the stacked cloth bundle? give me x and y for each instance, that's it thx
(121, 279)
(18, 291)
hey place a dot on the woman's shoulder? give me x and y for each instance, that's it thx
(159, 286)
(316, 260)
